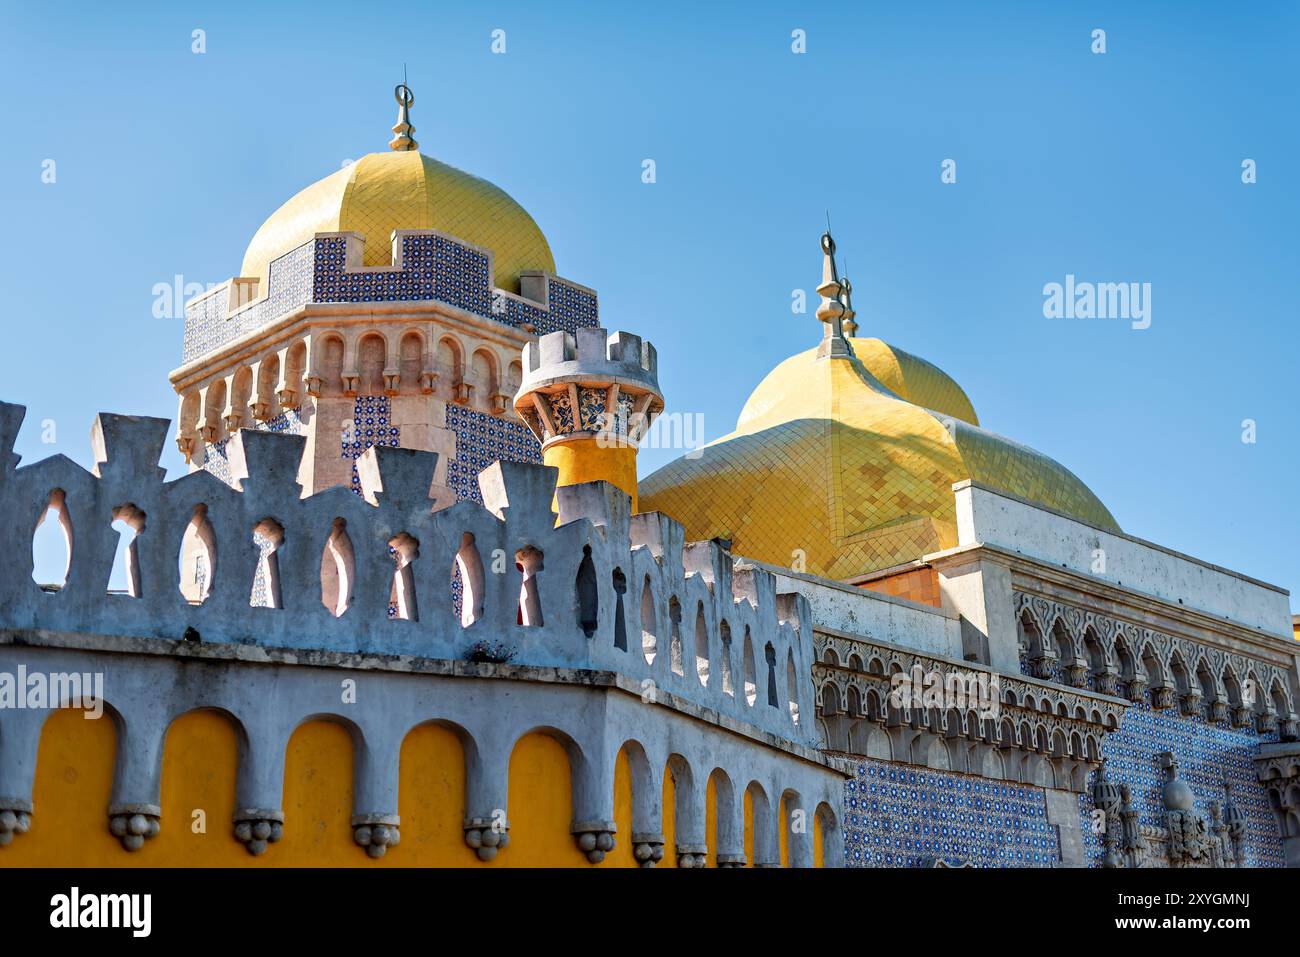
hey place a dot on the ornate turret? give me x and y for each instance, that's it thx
(589, 399)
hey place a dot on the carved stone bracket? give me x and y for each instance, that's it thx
(595, 839)
(376, 832)
(133, 824)
(255, 828)
(487, 836)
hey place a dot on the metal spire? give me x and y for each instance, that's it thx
(403, 140)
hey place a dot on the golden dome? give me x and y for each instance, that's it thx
(831, 465)
(404, 189)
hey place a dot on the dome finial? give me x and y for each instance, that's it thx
(846, 299)
(403, 128)
(831, 311)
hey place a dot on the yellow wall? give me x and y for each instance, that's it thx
(783, 822)
(749, 830)
(74, 779)
(431, 801)
(819, 855)
(317, 801)
(670, 820)
(74, 774)
(541, 807)
(622, 855)
(582, 460)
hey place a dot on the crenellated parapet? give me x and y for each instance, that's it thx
(592, 598)
(601, 589)
(428, 267)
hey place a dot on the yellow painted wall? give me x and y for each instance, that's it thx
(783, 820)
(749, 830)
(670, 820)
(622, 855)
(819, 852)
(541, 806)
(74, 779)
(317, 801)
(431, 801)
(583, 460)
(74, 773)
(711, 821)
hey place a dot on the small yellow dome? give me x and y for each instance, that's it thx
(832, 469)
(404, 189)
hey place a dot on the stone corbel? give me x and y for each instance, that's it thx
(1108, 683)
(15, 818)
(1076, 674)
(376, 832)
(497, 402)
(1218, 710)
(1162, 697)
(255, 828)
(692, 855)
(462, 393)
(648, 849)
(731, 860)
(1242, 716)
(314, 385)
(594, 838)
(261, 409)
(392, 381)
(1136, 689)
(486, 836)
(428, 381)
(1266, 723)
(186, 444)
(1192, 703)
(133, 824)
(351, 383)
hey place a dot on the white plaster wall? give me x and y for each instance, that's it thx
(858, 611)
(988, 518)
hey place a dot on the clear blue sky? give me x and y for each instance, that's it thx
(1117, 167)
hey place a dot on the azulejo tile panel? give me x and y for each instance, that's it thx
(371, 425)
(1207, 755)
(217, 459)
(482, 439)
(434, 268)
(902, 816)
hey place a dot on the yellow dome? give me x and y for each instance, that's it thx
(404, 189)
(831, 467)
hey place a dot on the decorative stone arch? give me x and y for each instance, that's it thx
(330, 350)
(647, 808)
(729, 840)
(767, 848)
(688, 812)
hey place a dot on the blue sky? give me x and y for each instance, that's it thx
(1122, 167)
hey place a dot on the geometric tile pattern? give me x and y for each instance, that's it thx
(435, 268)
(902, 816)
(482, 439)
(371, 426)
(216, 460)
(1207, 755)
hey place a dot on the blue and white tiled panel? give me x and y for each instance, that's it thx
(216, 458)
(371, 425)
(1207, 755)
(571, 309)
(901, 816)
(439, 268)
(208, 327)
(482, 439)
